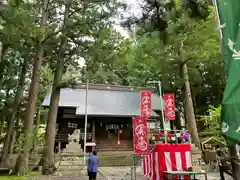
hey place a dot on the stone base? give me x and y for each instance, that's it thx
(73, 147)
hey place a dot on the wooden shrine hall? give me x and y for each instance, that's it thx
(109, 114)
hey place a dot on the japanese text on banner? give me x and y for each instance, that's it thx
(145, 105)
(169, 105)
(140, 135)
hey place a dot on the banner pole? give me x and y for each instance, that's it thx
(85, 123)
(133, 151)
(162, 109)
(135, 172)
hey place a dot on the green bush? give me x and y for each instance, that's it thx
(212, 119)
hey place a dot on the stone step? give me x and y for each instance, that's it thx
(70, 168)
(72, 153)
(117, 158)
(115, 144)
(71, 163)
(104, 150)
(114, 148)
(71, 158)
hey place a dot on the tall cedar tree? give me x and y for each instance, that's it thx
(155, 17)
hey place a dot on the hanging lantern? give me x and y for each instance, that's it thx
(168, 139)
(160, 134)
(100, 124)
(180, 138)
(186, 136)
(178, 135)
(162, 138)
(118, 136)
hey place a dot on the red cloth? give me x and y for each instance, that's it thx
(167, 157)
(140, 129)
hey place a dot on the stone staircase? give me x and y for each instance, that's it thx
(105, 145)
(118, 158)
(73, 162)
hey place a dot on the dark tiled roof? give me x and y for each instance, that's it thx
(104, 101)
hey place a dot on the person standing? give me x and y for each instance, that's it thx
(92, 166)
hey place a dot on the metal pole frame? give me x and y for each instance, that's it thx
(85, 124)
(162, 121)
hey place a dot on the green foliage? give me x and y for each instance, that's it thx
(135, 63)
(168, 35)
(212, 119)
(32, 175)
(40, 139)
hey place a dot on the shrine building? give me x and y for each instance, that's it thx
(110, 110)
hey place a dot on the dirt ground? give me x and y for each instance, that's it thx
(109, 173)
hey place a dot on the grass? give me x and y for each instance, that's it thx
(32, 174)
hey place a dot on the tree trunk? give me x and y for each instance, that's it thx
(188, 106)
(235, 162)
(36, 127)
(1, 124)
(4, 112)
(22, 166)
(3, 51)
(49, 163)
(18, 129)
(13, 142)
(11, 123)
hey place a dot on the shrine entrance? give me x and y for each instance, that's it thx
(114, 136)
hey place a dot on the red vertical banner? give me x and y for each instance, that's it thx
(140, 134)
(169, 105)
(145, 104)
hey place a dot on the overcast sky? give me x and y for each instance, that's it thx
(133, 10)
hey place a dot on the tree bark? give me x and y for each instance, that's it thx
(11, 123)
(188, 106)
(49, 163)
(4, 112)
(13, 141)
(22, 168)
(3, 51)
(36, 127)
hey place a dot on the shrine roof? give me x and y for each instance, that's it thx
(105, 100)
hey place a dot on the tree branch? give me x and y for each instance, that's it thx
(66, 84)
(66, 27)
(60, 30)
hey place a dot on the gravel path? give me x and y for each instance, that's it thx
(109, 173)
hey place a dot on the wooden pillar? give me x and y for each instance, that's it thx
(93, 131)
(93, 134)
(59, 147)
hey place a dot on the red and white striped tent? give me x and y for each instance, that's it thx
(166, 157)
